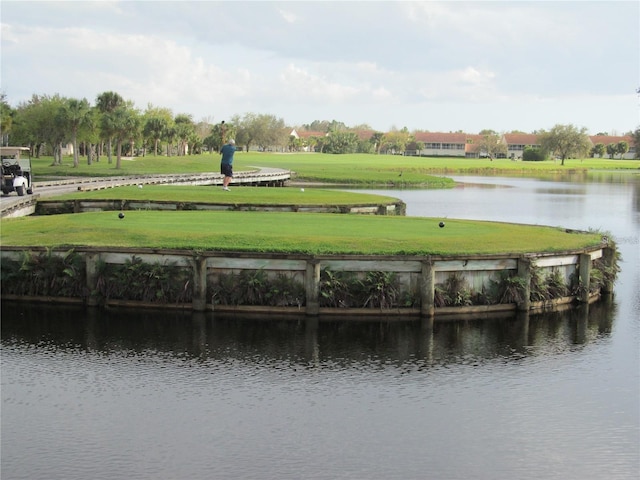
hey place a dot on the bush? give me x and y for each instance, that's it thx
(454, 292)
(336, 289)
(45, 274)
(372, 290)
(254, 287)
(531, 154)
(508, 288)
(135, 280)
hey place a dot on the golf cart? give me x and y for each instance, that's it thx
(16, 170)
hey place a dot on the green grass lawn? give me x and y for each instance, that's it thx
(296, 232)
(237, 195)
(391, 170)
(288, 233)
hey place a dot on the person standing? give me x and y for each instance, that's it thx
(226, 163)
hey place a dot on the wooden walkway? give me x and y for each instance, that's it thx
(14, 206)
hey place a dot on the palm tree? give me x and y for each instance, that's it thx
(154, 128)
(123, 123)
(184, 127)
(106, 103)
(73, 115)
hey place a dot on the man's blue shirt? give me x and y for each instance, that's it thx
(227, 153)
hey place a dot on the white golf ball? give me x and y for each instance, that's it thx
(139, 186)
(302, 189)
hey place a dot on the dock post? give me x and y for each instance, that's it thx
(199, 267)
(427, 288)
(312, 287)
(524, 272)
(608, 257)
(91, 272)
(584, 274)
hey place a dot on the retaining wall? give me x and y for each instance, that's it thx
(55, 207)
(416, 274)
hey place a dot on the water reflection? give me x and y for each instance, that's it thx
(106, 394)
(302, 341)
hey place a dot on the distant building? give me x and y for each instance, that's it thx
(608, 140)
(439, 144)
(447, 144)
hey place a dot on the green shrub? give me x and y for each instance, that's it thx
(508, 288)
(378, 290)
(136, 280)
(531, 154)
(255, 287)
(538, 288)
(372, 290)
(454, 292)
(556, 286)
(337, 289)
(45, 274)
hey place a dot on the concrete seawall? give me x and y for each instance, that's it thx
(418, 275)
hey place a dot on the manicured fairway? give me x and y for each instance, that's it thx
(287, 232)
(350, 169)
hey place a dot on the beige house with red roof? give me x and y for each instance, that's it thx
(517, 142)
(610, 139)
(306, 135)
(442, 144)
(467, 145)
(448, 144)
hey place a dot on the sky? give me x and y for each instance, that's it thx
(430, 66)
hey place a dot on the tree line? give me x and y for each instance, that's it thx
(113, 126)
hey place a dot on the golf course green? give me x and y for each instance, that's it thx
(288, 233)
(297, 232)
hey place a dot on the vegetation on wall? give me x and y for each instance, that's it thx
(547, 287)
(256, 287)
(137, 280)
(370, 290)
(64, 275)
(45, 274)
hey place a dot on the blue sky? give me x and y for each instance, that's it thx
(437, 66)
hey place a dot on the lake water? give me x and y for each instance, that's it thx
(118, 394)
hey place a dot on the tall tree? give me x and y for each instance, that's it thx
(156, 121)
(598, 149)
(36, 124)
(492, 145)
(262, 130)
(122, 125)
(377, 139)
(154, 128)
(73, 115)
(621, 148)
(396, 140)
(184, 129)
(566, 141)
(106, 103)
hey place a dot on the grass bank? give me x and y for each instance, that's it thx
(288, 233)
(237, 195)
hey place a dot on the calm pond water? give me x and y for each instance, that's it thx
(148, 395)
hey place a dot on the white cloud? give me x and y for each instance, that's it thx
(289, 17)
(410, 64)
